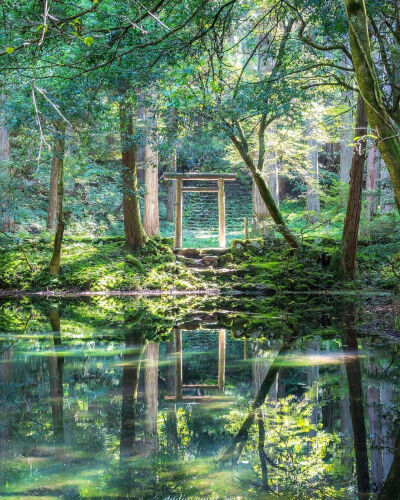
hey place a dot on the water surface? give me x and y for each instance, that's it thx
(291, 397)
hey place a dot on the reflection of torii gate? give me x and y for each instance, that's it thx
(180, 386)
(180, 189)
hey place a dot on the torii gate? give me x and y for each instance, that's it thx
(180, 189)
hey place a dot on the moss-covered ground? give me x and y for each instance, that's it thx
(104, 264)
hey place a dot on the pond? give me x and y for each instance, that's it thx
(294, 396)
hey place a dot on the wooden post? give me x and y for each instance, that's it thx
(221, 359)
(178, 364)
(221, 213)
(178, 214)
(246, 228)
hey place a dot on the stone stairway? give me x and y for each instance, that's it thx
(201, 257)
(218, 262)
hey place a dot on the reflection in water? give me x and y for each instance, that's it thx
(353, 371)
(151, 397)
(56, 367)
(6, 367)
(286, 406)
(130, 382)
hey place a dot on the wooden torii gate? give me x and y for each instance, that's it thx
(180, 189)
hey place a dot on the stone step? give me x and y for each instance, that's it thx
(196, 253)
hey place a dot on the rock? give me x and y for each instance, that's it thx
(238, 247)
(188, 252)
(210, 260)
(255, 247)
(214, 251)
(225, 259)
(133, 261)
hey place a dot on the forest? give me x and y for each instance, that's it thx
(184, 177)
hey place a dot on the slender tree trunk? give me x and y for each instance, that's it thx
(56, 257)
(134, 233)
(385, 191)
(172, 190)
(353, 371)
(141, 143)
(260, 211)
(346, 151)
(313, 203)
(370, 183)
(173, 133)
(348, 260)
(265, 193)
(7, 224)
(151, 221)
(369, 87)
(57, 164)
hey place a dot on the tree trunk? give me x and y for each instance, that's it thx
(57, 164)
(313, 203)
(346, 151)
(353, 371)
(56, 257)
(348, 260)
(134, 233)
(265, 193)
(172, 190)
(385, 191)
(370, 184)
(151, 221)
(368, 84)
(7, 224)
(260, 211)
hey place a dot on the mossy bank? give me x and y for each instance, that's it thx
(259, 266)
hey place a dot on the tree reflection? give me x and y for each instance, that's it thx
(151, 397)
(134, 346)
(353, 372)
(56, 369)
(243, 434)
(6, 368)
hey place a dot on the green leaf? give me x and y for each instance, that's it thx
(10, 50)
(88, 40)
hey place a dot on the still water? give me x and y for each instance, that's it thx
(214, 398)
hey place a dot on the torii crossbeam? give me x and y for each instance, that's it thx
(180, 189)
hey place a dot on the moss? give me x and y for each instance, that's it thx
(105, 264)
(225, 259)
(133, 261)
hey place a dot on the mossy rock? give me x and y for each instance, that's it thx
(225, 259)
(133, 261)
(238, 247)
(255, 246)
